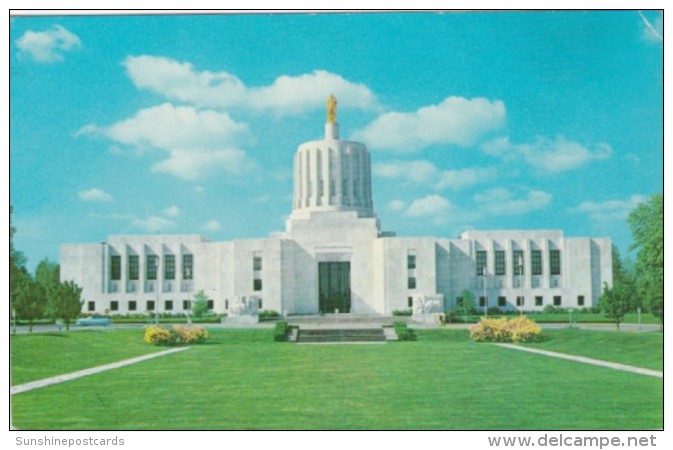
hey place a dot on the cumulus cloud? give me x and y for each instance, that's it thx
(455, 121)
(197, 142)
(425, 173)
(551, 156)
(172, 211)
(430, 205)
(286, 95)
(609, 210)
(48, 46)
(397, 205)
(211, 225)
(95, 195)
(501, 202)
(153, 224)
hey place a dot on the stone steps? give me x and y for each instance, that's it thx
(329, 335)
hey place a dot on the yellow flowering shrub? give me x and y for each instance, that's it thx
(178, 335)
(518, 329)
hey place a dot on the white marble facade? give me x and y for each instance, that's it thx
(334, 256)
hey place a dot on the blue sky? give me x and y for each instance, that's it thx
(188, 124)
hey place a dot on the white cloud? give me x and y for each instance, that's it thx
(95, 195)
(48, 46)
(425, 173)
(172, 211)
(430, 205)
(551, 156)
(455, 121)
(286, 95)
(397, 205)
(198, 142)
(153, 224)
(211, 225)
(501, 202)
(610, 210)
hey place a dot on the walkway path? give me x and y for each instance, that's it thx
(582, 359)
(93, 370)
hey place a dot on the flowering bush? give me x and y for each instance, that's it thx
(157, 335)
(518, 329)
(178, 335)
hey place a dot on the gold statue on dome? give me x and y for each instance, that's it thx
(331, 108)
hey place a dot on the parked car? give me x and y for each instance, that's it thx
(94, 321)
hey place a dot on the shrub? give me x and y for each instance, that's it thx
(549, 309)
(178, 335)
(280, 332)
(268, 315)
(494, 310)
(157, 335)
(402, 312)
(518, 329)
(404, 333)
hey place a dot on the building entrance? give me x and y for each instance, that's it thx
(334, 287)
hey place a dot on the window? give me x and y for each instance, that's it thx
(168, 305)
(519, 301)
(580, 300)
(211, 304)
(410, 302)
(502, 301)
(169, 267)
(536, 262)
(187, 267)
(482, 301)
(256, 263)
(114, 305)
(133, 267)
(411, 260)
(91, 306)
(555, 262)
(499, 262)
(186, 304)
(259, 304)
(150, 305)
(538, 300)
(133, 305)
(411, 283)
(115, 267)
(481, 262)
(226, 303)
(256, 284)
(152, 266)
(517, 262)
(557, 300)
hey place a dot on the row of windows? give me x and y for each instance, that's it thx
(256, 272)
(151, 267)
(518, 262)
(132, 305)
(521, 301)
(259, 304)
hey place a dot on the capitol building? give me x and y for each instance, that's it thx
(334, 257)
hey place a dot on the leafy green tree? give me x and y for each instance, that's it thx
(623, 281)
(647, 227)
(200, 304)
(17, 262)
(65, 302)
(613, 303)
(30, 301)
(465, 303)
(48, 274)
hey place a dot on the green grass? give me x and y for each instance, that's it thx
(577, 317)
(642, 349)
(244, 380)
(41, 355)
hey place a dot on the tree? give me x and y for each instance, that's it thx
(465, 303)
(200, 304)
(647, 228)
(17, 269)
(30, 301)
(613, 303)
(623, 281)
(65, 302)
(48, 274)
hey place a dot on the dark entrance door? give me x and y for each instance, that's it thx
(334, 286)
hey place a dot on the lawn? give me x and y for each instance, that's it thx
(243, 380)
